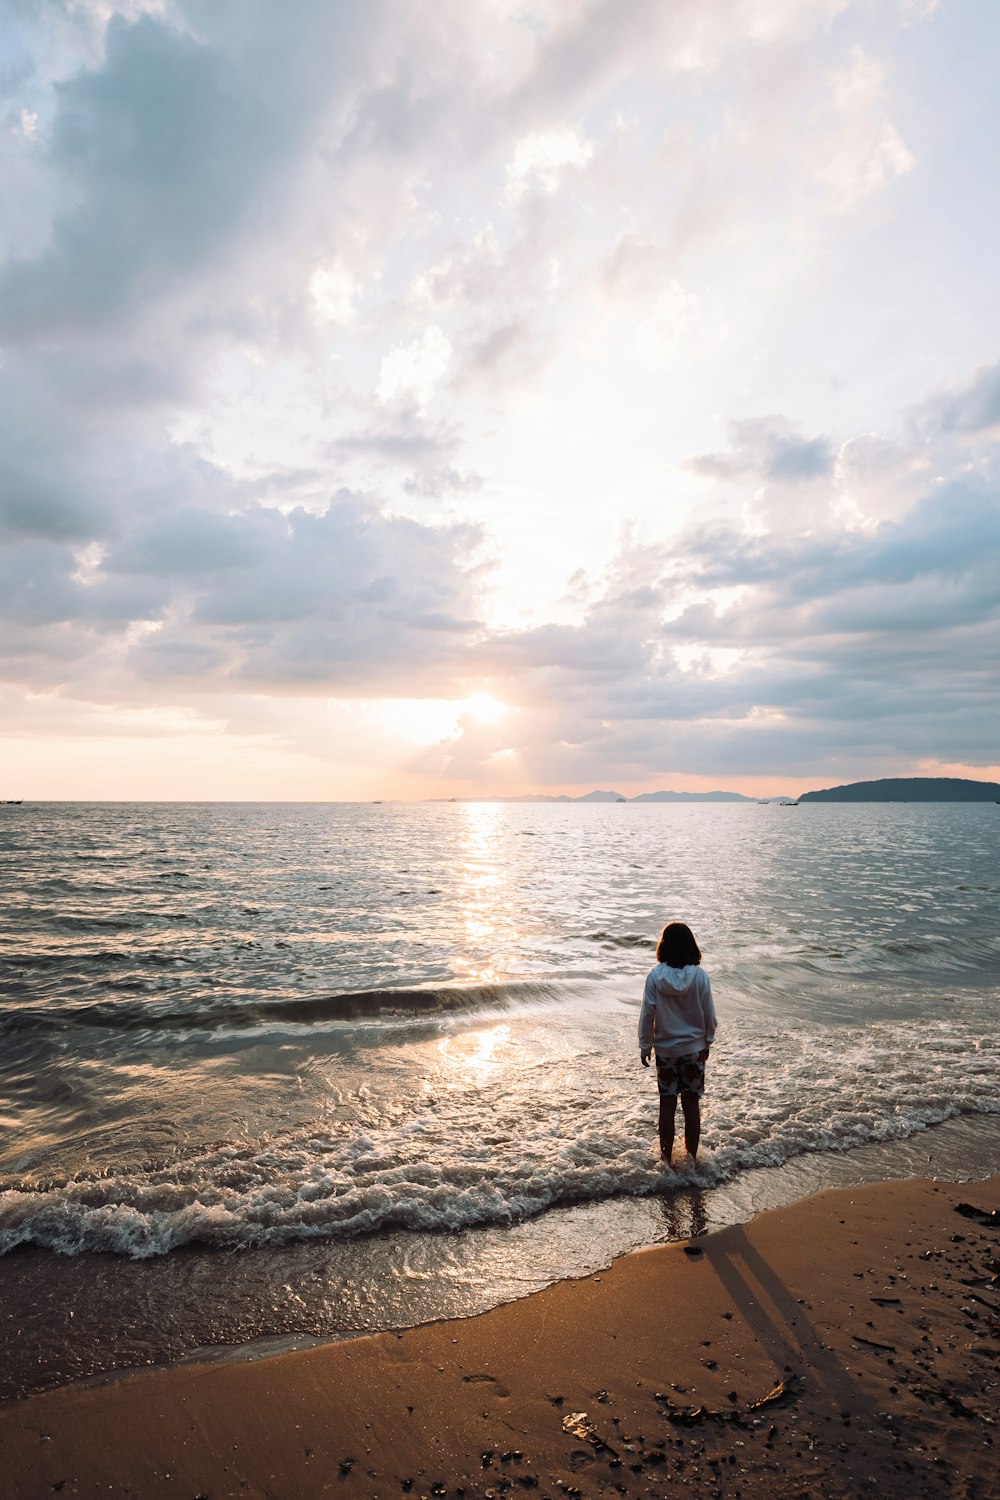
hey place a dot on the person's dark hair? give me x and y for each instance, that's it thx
(677, 946)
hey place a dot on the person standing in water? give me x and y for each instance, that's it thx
(677, 1022)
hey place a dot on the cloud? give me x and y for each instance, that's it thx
(973, 408)
(335, 336)
(335, 292)
(271, 598)
(870, 153)
(49, 486)
(848, 644)
(401, 438)
(413, 372)
(876, 476)
(443, 481)
(168, 149)
(161, 157)
(767, 448)
(542, 159)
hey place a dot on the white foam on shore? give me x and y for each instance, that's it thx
(498, 1125)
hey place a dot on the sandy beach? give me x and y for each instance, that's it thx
(847, 1345)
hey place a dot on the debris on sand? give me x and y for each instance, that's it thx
(778, 1393)
(990, 1217)
(578, 1425)
(689, 1416)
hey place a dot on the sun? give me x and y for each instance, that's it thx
(428, 721)
(482, 707)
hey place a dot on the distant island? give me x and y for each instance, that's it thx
(909, 789)
(642, 797)
(691, 797)
(889, 789)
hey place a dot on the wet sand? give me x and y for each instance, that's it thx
(848, 1345)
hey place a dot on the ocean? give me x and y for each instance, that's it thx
(274, 1072)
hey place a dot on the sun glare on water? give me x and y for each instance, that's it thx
(479, 1054)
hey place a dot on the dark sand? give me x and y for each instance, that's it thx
(874, 1311)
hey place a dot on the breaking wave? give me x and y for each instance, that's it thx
(354, 1005)
(534, 1136)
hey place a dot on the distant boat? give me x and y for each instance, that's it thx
(763, 802)
(788, 804)
(11, 801)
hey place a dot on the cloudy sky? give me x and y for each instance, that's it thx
(409, 399)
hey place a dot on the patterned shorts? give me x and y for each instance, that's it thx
(680, 1075)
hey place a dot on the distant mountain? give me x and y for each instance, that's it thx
(642, 797)
(529, 797)
(547, 797)
(691, 797)
(909, 789)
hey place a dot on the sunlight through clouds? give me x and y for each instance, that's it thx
(335, 293)
(414, 370)
(431, 720)
(541, 160)
(544, 390)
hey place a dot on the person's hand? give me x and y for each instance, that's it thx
(703, 1055)
(644, 1054)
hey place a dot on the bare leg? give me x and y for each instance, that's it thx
(691, 1105)
(668, 1108)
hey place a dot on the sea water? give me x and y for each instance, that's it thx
(376, 1048)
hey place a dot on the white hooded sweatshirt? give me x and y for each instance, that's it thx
(678, 1015)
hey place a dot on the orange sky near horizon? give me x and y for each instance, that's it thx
(223, 769)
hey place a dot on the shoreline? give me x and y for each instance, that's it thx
(92, 1318)
(870, 1310)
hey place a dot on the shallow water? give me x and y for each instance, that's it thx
(275, 1073)
(256, 1027)
(66, 1318)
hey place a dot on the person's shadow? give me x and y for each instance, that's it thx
(782, 1327)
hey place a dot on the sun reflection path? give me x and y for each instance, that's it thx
(485, 889)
